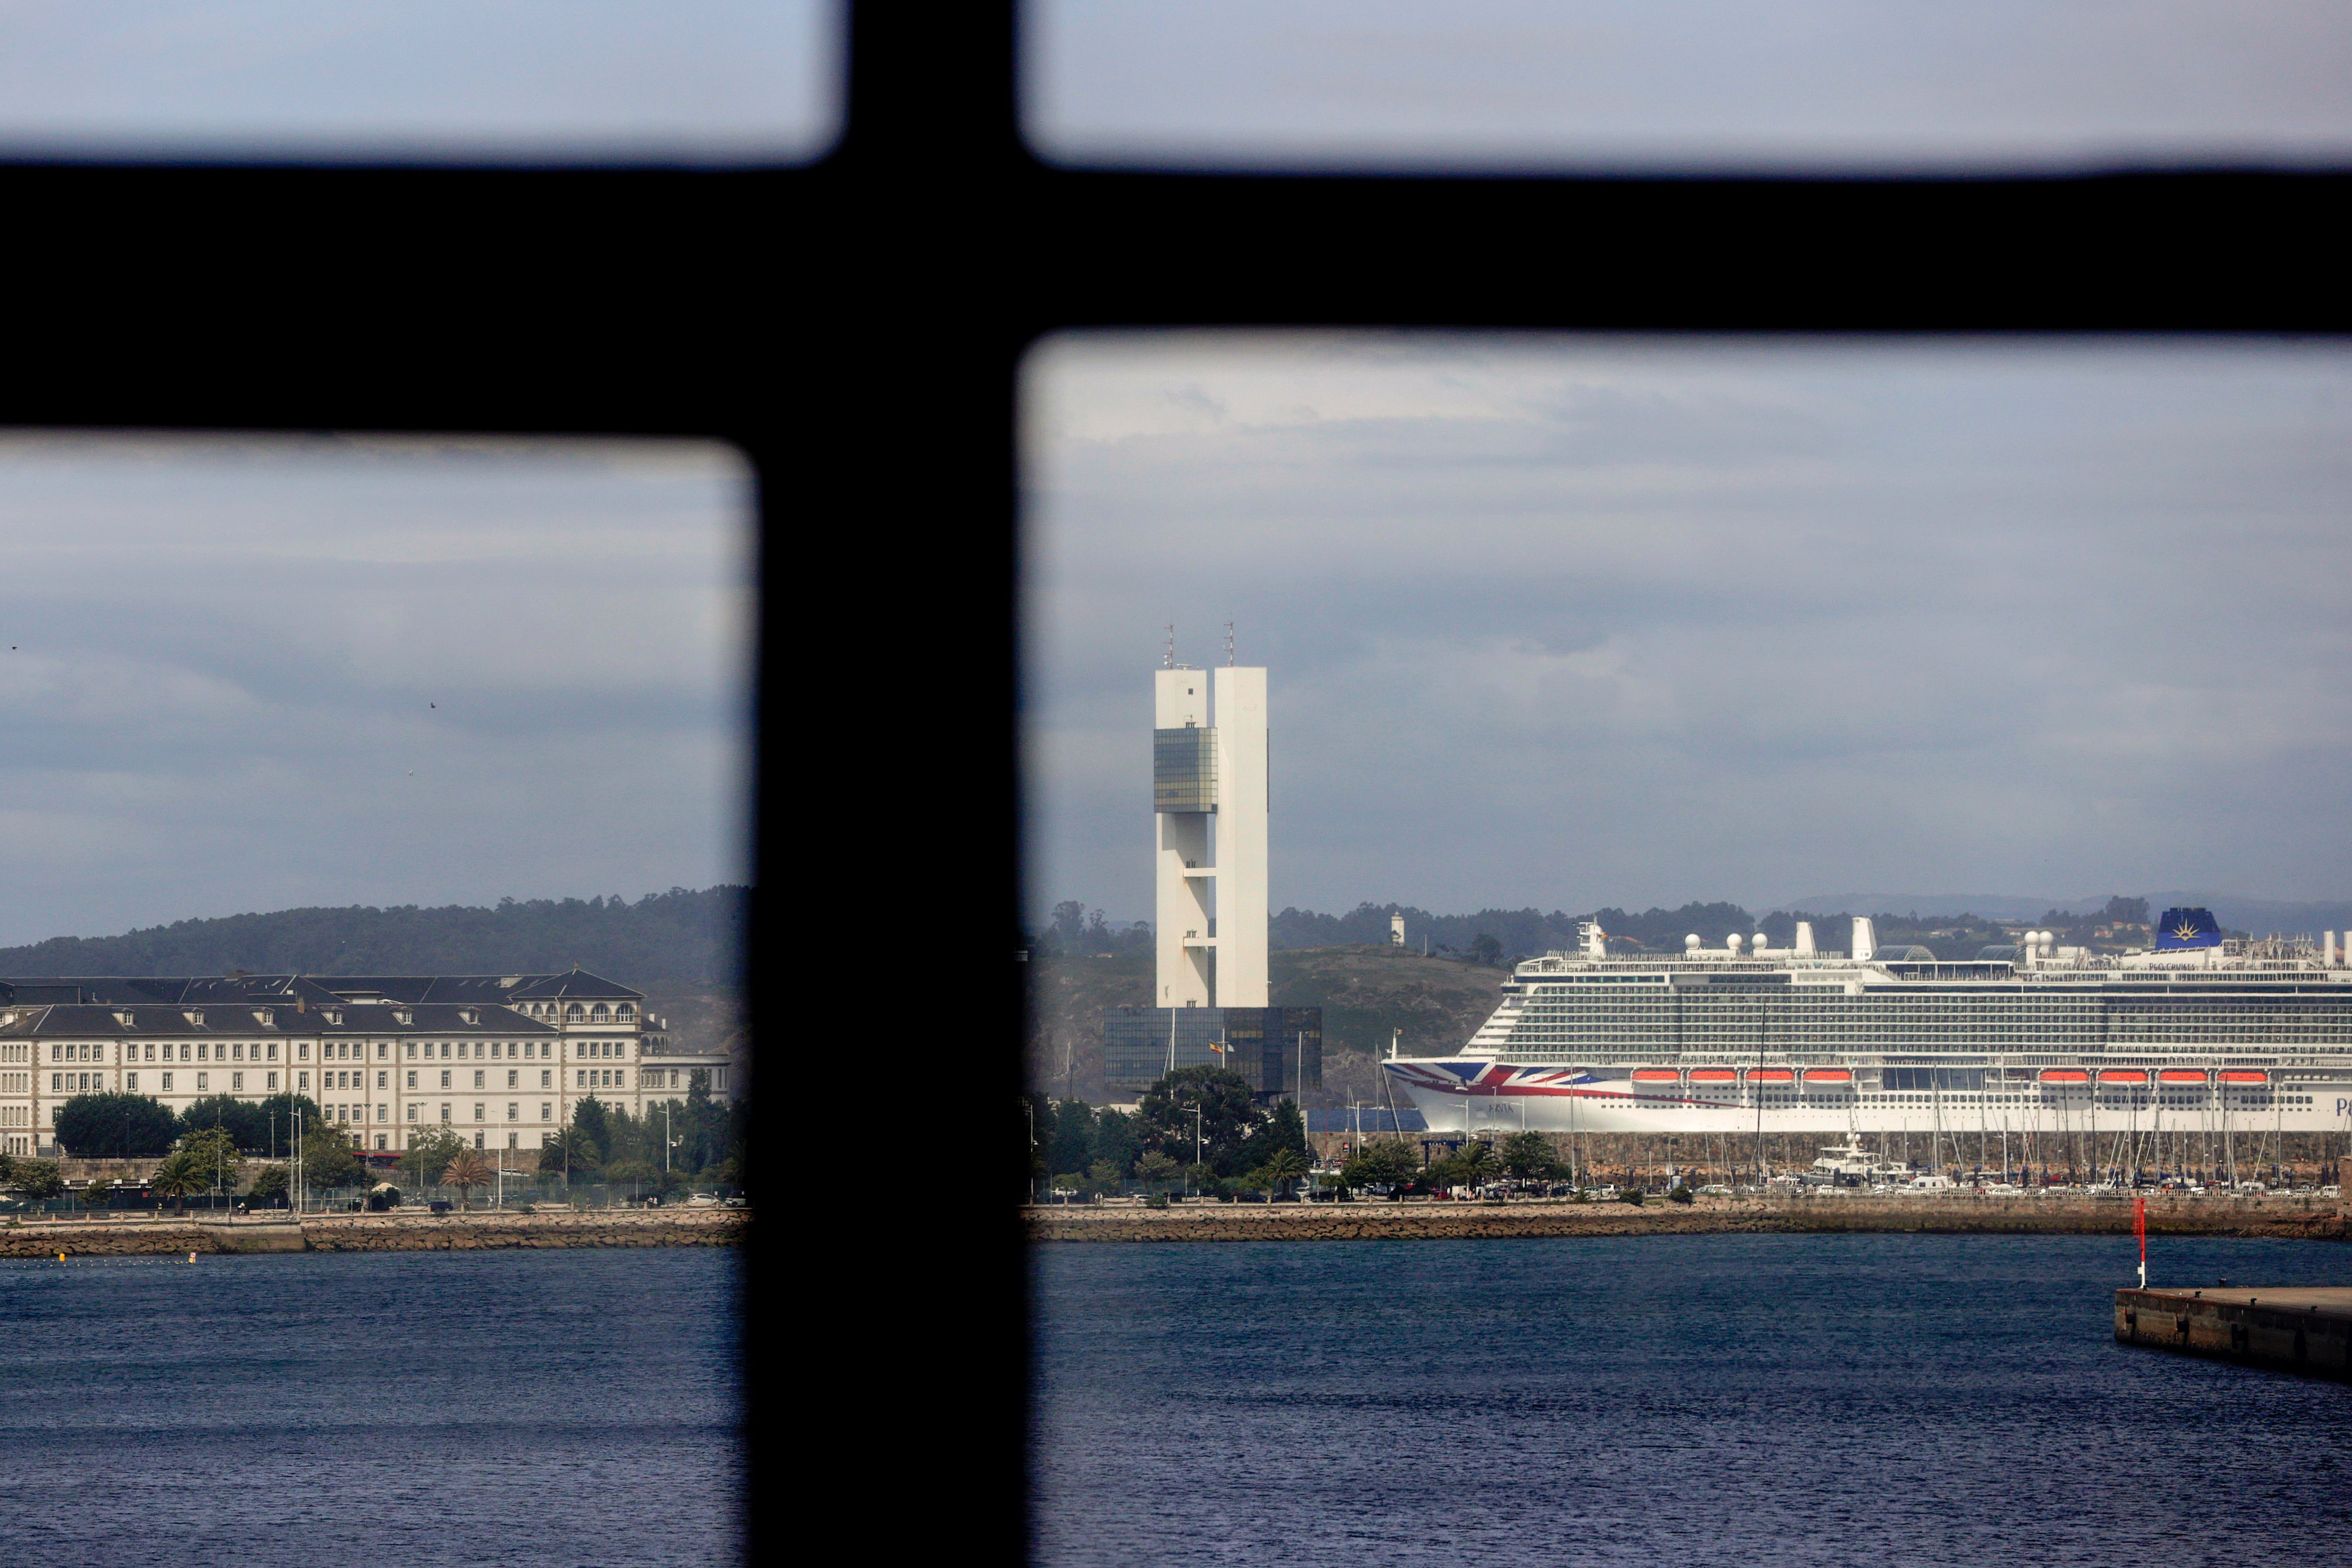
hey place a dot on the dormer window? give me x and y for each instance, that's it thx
(600, 1012)
(470, 1015)
(265, 1017)
(401, 1015)
(332, 1015)
(626, 1013)
(575, 1014)
(193, 1017)
(123, 1018)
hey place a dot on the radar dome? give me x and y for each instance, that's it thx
(1690, 943)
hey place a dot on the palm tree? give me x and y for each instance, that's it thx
(180, 1174)
(467, 1171)
(1285, 1165)
(1475, 1163)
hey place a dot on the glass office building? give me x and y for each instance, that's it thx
(1279, 1051)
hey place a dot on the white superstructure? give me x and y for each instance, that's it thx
(2195, 1035)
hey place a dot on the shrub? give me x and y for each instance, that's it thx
(1632, 1194)
(1682, 1195)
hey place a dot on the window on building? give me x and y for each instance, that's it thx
(412, 1051)
(167, 1083)
(301, 1080)
(514, 1079)
(302, 1052)
(546, 1078)
(130, 1083)
(477, 1078)
(546, 1111)
(477, 1111)
(150, 1053)
(384, 1112)
(514, 1111)
(411, 1078)
(445, 1078)
(273, 1080)
(383, 1141)
(478, 1140)
(201, 1078)
(412, 1109)
(236, 1081)
(444, 1110)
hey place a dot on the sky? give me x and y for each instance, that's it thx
(692, 80)
(248, 674)
(1582, 622)
(1678, 84)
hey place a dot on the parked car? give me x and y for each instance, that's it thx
(440, 1205)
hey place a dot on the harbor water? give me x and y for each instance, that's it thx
(517, 1407)
(1748, 1400)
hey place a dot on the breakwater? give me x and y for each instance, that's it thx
(375, 1233)
(1955, 1215)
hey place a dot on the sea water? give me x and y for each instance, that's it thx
(1751, 1400)
(515, 1407)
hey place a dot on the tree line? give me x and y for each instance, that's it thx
(702, 1136)
(683, 937)
(1198, 1125)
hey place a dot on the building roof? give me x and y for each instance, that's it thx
(96, 1021)
(315, 990)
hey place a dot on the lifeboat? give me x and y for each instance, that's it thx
(1657, 1075)
(2180, 1075)
(1828, 1075)
(1772, 1075)
(2064, 1075)
(2123, 1076)
(1713, 1075)
(2241, 1075)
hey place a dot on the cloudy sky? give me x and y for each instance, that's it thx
(1685, 83)
(1574, 623)
(691, 80)
(241, 674)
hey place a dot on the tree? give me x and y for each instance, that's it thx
(1158, 1170)
(1529, 1155)
(589, 1115)
(215, 1151)
(97, 1194)
(1284, 1129)
(276, 1116)
(269, 1189)
(1282, 1168)
(115, 1126)
(469, 1170)
(1163, 1118)
(1074, 1136)
(248, 1123)
(573, 1151)
(38, 1178)
(1474, 1166)
(1386, 1163)
(178, 1175)
(1486, 949)
(327, 1159)
(428, 1156)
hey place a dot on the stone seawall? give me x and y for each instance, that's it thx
(375, 1233)
(1470, 1221)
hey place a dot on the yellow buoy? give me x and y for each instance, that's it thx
(192, 1257)
(61, 1256)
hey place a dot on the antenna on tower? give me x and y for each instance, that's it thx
(1229, 643)
(1172, 645)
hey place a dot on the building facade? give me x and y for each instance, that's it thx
(500, 1060)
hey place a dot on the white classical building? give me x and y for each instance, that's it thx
(503, 1058)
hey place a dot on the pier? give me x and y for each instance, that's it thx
(2294, 1328)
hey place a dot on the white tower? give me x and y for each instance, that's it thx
(1209, 793)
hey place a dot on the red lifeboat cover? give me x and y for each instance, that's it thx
(2123, 1076)
(2180, 1075)
(1772, 1075)
(1713, 1075)
(1657, 1075)
(2065, 1075)
(1828, 1075)
(2246, 1077)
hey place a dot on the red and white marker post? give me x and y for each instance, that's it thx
(2139, 1230)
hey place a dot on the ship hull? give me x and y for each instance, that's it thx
(1484, 1096)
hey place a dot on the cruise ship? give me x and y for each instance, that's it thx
(2196, 1034)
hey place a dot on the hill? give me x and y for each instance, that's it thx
(1364, 990)
(682, 947)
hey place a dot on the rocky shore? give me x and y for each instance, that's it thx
(375, 1233)
(1940, 1214)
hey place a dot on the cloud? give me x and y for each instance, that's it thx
(240, 674)
(1572, 622)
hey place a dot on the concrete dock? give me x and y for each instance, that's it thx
(2292, 1328)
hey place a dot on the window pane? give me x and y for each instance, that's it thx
(629, 80)
(1688, 84)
